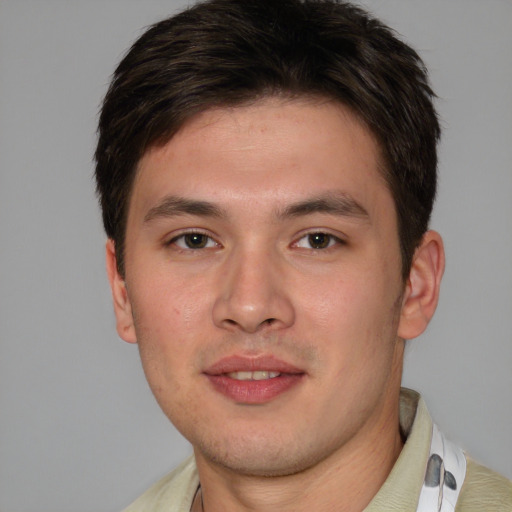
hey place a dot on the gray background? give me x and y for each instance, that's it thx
(79, 429)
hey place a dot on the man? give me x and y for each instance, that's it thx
(267, 172)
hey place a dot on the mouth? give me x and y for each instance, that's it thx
(247, 380)
(259, 375)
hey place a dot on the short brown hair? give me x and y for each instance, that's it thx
(230, 52)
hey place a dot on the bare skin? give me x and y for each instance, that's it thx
(262, 244)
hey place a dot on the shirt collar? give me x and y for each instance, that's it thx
(402, 488)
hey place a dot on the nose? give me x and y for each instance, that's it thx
(252, 295)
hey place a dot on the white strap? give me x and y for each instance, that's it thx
(444, 475)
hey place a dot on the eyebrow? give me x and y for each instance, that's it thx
(172, 206)
(332, 203)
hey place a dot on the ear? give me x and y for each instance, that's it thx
(422, 288)
(122, 305)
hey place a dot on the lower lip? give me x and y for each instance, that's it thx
(254, 391)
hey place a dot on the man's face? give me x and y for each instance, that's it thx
(263, 274)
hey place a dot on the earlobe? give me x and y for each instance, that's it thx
(421, 293)
(122, 305)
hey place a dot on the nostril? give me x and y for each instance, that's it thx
(265, 323)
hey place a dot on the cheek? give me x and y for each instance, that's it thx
(341, 302)
(166, 316)
(354, 315)
(167, 307)
(166, 326)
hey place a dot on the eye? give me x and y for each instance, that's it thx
(317, 240)
(194, 241)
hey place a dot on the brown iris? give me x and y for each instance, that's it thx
(195, 240)
(319, 240)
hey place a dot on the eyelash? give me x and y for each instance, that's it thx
(332, 241)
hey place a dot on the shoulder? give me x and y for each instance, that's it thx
(484, 489)
(173, 493)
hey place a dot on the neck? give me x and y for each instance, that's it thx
(346, 481)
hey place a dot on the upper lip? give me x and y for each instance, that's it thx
(238, 363)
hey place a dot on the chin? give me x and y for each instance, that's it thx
(261, 466)
(260, 456)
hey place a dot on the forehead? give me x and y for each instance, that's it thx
(272, 148)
